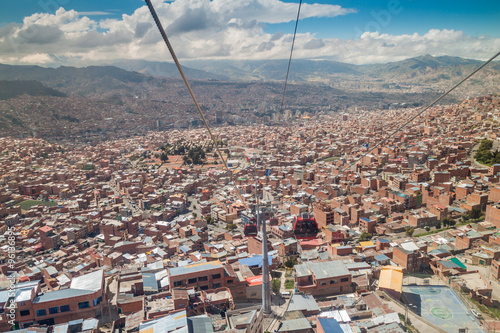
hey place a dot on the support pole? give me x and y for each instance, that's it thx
(266, 287)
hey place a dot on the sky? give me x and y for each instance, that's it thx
(77, 32)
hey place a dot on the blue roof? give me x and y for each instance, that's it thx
(383, 240)
(330, 325)
(365, 219)
(256, 260)
(381, 257)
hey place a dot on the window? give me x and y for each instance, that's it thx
(98, 300)
(83, 305)
(204, 288)
(216, 276)
(229, 281)
(24, 313)
(193, 280)
(216, 285)
(23, 303)
(64, 308)
(177, 283)
(202, 278)
(54, 310)
(333, 281)
(41, 312)
(344, 280)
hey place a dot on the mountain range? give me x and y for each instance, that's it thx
(419, 74)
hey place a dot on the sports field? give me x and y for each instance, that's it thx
(441, 306)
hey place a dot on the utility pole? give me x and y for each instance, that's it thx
(266, 290)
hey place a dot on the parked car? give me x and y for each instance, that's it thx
(476, 313)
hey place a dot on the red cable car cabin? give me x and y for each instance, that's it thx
(305, 227)
(250, 229)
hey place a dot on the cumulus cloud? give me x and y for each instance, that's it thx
(217, 29)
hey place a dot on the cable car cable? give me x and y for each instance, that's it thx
(181, 72)
(290, 59)
(421, 112)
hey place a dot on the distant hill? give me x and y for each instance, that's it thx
(74, 80)
(166, 69)
(423, 65)
(11, 89)
(301, 70)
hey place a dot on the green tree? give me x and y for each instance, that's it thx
(163, 157)
(365, 236)
(194, 215)
(231, 227)
(438, 225)
(409, 232)
(427, 228)
(475, 213)
(452, 223)
(291, 262)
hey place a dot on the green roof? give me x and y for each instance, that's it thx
(458, 262)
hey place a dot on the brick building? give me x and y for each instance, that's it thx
(412, 260)
(323, 278)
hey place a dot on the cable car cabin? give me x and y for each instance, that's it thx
(250, 229)
(305, 227)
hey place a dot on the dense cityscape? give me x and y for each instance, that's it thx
(147, 233)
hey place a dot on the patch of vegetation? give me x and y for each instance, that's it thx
(291, 262)
(484, 154)
(25, 205)
(70, 119)
(276, 285)
(331, 159)
(365, 236)
(231, 227)
(490, 310)
(289, 284)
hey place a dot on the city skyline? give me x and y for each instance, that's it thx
(81, 33)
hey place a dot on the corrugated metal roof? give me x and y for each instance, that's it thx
(164, 324)
(295, 325)
(330, 325)
(322, 270)
(194, 268)
(301, 302)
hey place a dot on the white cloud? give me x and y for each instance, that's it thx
(217, 29)
(37, 58)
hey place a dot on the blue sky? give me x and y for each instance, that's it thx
(367, 31)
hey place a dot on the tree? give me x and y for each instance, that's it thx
(231, 227)
(163, 157)
(475, 213)
(194, 215)
(409, 232)
(427, 228)
(365, 236)
(446, 221)
(452, 223)
(291, 262)
(438, 225)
